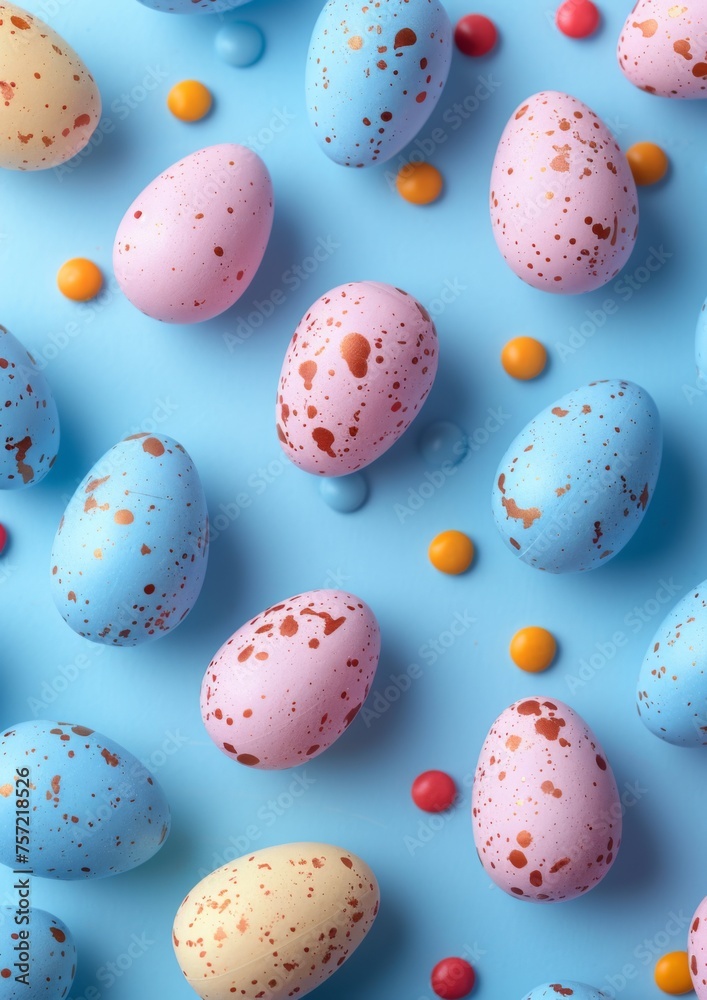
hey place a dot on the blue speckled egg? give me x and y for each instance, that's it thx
(50, 970)
(555, 991)
(194, 6)
(130, 554)
(94, 809)
(375, 72)
(29, 422)
(701, 341)
(574, 485)
(672, 684)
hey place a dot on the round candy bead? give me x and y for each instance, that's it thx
(419, 183)
(475, 35)
(533, 649)
(453, 978)
(524, 358)
(79, 279)
(189, 100)
(434, 791)
(344, 494)
(577, 18)
(240, 44)
(3, 537)
(451, 552)
(648, 163)
(672, 973)
(443, 442)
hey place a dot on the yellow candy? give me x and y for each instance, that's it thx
(419, 183)
(672, 973)
(524, 358)
(189, 100)
(648, 163)
(451, 552)
(533, 649)
(79, 279)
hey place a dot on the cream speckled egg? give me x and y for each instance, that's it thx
(275, 923)
(358, 369)
(663, 48)
(287, 684)
(49, 102)
(697, 950)
(546, 812)
(564, 208)
(192, 241)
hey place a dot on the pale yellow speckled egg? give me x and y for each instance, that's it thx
(49, 102)
(275, 923)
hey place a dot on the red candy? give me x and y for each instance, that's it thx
(434, 791)
(577, 18)
(453, 978)
(475, 35)
(3, 537)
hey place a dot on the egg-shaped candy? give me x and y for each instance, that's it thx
(49, 102)
(194, 6)
(697, 950)
(701, 342)
(357, 371)
(287, 684)
(564, 208)
(94, 809)
(29, 422)
(374, 75)
(130, 554)
(663, 48)
(192, 241)
(577, 991)
(37, 955)
(575, 483)
(275, 923)
(546, 812)
(672, 684)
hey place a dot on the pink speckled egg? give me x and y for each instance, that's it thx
(285, 686)
(564, 208)
(546, 812)
(356, 373)
(192, 241)
(697, 950)
(663, 48)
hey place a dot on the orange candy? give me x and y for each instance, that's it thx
(672, 974)
(648, 163)
(189, 100)
(524, 358)
(451, 552)
(79, 279)
(533, 649)
(419, 183)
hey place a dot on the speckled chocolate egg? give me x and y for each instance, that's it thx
(358, 369)
(194, 6)
(546, 812)
(575, 484)
(578, 991)
(275, 923)
(130, 554)
(29, 422)
(374, 75)
(701, 341)
(663, 48)
(93, 809)
(285, 686)
(672, 684)
(564, 208)
(49, 102)
(697, 950)
(37, 955)
(192, 241)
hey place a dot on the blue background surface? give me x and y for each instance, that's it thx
(114, 371)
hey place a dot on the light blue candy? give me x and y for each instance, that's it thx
(344, 494)
(240, 43)
(443, 442)
(701, 341)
